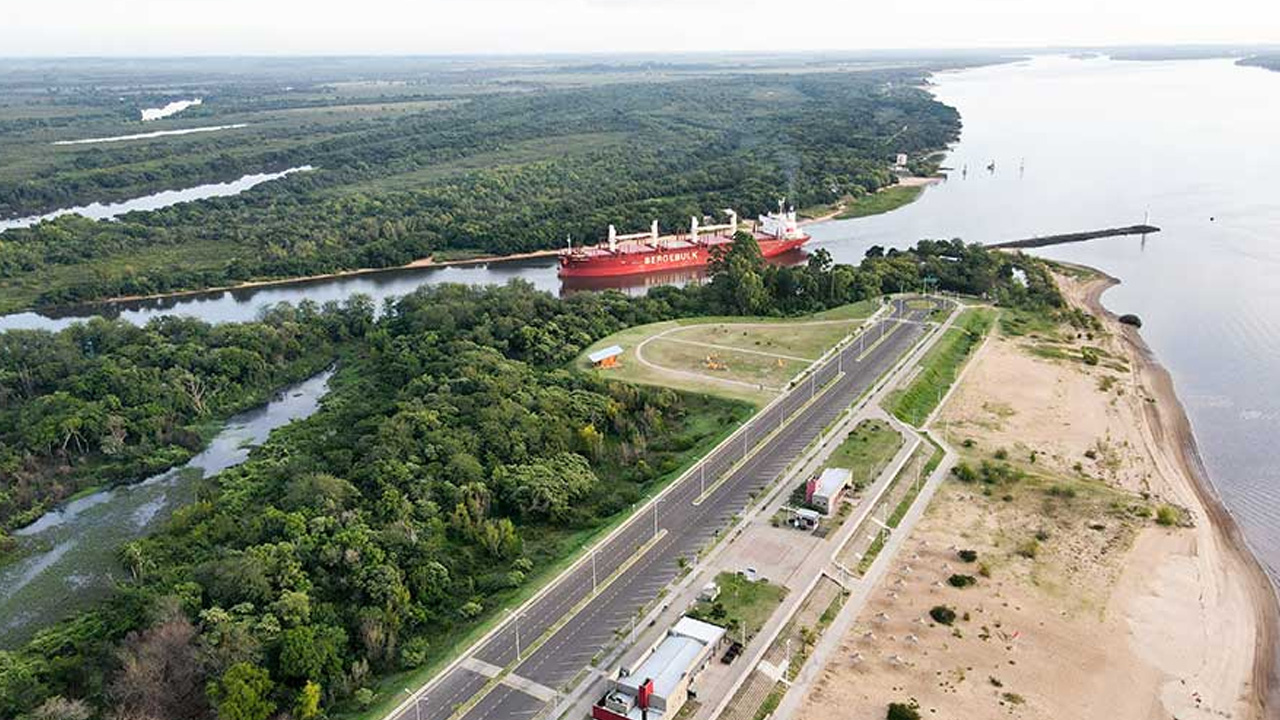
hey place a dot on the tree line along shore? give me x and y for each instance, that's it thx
(489, 173)
(456, 461)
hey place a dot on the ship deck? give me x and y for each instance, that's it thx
(664, 244)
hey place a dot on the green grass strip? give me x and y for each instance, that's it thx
(940, 367)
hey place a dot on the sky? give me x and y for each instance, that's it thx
(430, 27)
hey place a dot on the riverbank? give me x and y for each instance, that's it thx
(1227, 555)
(888, 198)
(1108, 582)
(914, 183)
(427, 262)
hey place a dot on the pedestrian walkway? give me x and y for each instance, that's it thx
(746, 703)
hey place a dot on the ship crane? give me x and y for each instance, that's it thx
(731, 226)
(648, 252)
(615, 238)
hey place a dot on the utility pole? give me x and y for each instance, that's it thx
(518, 638)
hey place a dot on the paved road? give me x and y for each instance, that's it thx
(689, 529)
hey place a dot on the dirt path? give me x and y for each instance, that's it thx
(1111, 615)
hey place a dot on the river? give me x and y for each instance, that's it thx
(1077, 145)
(68, 557)
(154, 201)
(1082, 144)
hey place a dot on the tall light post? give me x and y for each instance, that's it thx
(518, 616)
(593, 571)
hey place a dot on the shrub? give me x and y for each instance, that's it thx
(968, 555)
(903, 711)
(1168, 515)
(942, 614)
(984, 570)
(964, 472)
(1001, 454)
(1029, 549)
(1089, 356)
(1131, 319)
(364, 697)
(962, 581)
(414, 652)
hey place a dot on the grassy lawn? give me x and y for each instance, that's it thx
(797, 338)
(940, 367)
(867, 450)
(742, 605)
(771, 372)
(804, 341)
(890, 198)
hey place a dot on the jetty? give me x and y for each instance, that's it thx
(1062, 239)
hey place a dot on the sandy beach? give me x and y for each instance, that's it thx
(1083, 604)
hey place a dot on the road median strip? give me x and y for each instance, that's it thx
(759, 446)
(501, 678)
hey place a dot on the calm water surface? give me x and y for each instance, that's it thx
(70, 555)
(1096, 143)
(1077, 144)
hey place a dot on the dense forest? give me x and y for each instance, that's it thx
(456, 458)
(106, 400)
(496, 173)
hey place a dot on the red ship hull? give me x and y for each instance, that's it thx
(642, 258)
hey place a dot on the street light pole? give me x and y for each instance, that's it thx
(593, 572)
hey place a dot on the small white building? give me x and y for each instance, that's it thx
(806, 519)
(658, 686)
(606, 357)
(901, 163)
(824, 491)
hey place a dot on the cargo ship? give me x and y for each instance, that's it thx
(649, 252)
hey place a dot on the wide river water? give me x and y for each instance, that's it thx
(1076, 144)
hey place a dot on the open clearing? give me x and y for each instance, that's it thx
(751, 359)
(867, 450)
